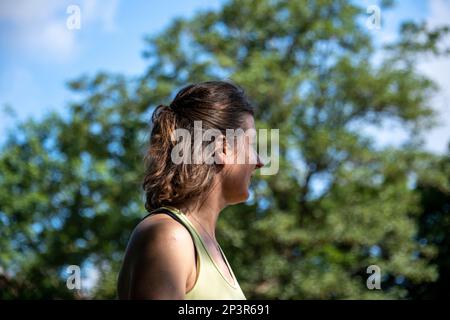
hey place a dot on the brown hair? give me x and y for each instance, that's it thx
(219, 105)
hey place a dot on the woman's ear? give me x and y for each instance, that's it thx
(222, 149)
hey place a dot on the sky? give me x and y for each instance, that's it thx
(39, 54)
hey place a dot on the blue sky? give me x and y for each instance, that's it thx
(39, 54)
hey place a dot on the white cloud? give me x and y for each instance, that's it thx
(438, 69)
(26, 11)
(34, 28)
(39, 29)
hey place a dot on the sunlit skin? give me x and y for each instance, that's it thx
(160, 260)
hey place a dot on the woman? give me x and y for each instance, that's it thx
(173, 252)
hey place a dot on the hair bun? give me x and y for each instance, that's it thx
(161, 110)
(169, 108)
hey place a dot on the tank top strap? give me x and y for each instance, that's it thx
(179, 216)
(163, 210)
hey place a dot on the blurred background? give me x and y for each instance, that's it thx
(359, 90)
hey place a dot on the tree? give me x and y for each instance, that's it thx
(434, 225)
(70, 187)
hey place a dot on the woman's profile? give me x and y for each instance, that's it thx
(173, 252)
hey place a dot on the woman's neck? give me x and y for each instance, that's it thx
(207, 212)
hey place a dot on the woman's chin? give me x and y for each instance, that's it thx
(242, 197)
(245, 195)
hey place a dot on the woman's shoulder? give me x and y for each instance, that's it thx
(159, 256)
(161, 230)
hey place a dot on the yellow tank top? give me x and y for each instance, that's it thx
(211, 284)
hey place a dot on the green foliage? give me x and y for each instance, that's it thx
(70, 187)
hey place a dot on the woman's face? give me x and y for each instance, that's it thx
(240, 163)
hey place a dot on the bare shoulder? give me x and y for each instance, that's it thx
(158, 261)
(161, 228)
(160, 231)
